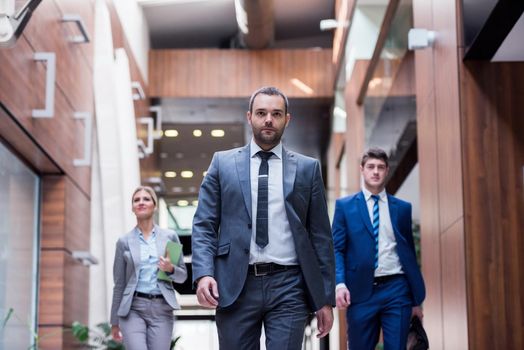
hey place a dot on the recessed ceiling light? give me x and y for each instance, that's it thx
(204, 173)
(179, 155)
(217, 133)
(163, 155)
(182, 203)
(194, 203)
(302, 86)
(177, 189)
(171, 133)
(197, 133)
(170, 174)
(186, 174)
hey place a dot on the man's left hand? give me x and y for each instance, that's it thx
(324, 320)
(417, 311)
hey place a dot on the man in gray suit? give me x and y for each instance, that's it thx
(262, 246)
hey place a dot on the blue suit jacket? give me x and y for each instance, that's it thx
(222, 225)
(355, 247)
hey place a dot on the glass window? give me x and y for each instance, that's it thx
(19, 245)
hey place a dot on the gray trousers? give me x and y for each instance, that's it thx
(148, 326)
(277, 301)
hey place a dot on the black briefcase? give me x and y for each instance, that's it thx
(417, 337)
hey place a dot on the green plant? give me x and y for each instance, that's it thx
(34, 334)
(100, 337)
(97, 338)
(416, 239)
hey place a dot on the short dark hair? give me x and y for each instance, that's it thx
(374, 153)
(271, 91)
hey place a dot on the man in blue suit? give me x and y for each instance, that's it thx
(377, 275)
(262, 244)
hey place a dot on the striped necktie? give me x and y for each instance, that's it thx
(376, 224)
(262, 210)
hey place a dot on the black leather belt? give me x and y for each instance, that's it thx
(147, 295)
(262, 269)
(383, 279)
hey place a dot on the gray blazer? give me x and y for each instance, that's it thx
(222, 225)
(126, 268)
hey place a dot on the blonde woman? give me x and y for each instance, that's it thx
(142, 307)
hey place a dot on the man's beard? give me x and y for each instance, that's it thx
(272, 139)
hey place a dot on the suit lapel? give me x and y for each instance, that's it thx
(242, 164)
(289, 171)
(393, 214)
(364, 213)
(134, 248)
(161, 242)
(393, 211)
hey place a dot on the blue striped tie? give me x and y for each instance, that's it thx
(262, 215)
(376, 224)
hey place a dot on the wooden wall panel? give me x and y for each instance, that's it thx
(64, 282)
(77, 218)
(441, 186)
(53, 213)
(429, 221)
(86, 10)
(73, 75)
(453, 288)
(21, 90)
(51, 294)
(494, 201)
(447, 113)
(237, 73)
(355, 129)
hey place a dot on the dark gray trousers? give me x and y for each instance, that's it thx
(148, 326)
(277, 301)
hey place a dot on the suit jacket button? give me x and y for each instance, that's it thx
(248, 225)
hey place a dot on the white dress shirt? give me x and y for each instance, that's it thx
(388, 261)
(281, 247)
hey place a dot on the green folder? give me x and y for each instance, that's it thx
(174, 249)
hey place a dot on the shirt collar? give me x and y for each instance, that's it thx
(254, 148)
(368, 194)
(141, 235)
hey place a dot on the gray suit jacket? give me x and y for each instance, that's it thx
(222, 225)
(126, 268)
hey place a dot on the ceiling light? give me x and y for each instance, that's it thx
(204, 173)
(170, 174)
(217, 133)
(186, 174)
(302, 86)
(177, 189)
(194, 203)
(197, 133)
(171, 133)
(182, 203)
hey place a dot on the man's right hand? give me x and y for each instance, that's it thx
(207, 292)
(343, 298)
